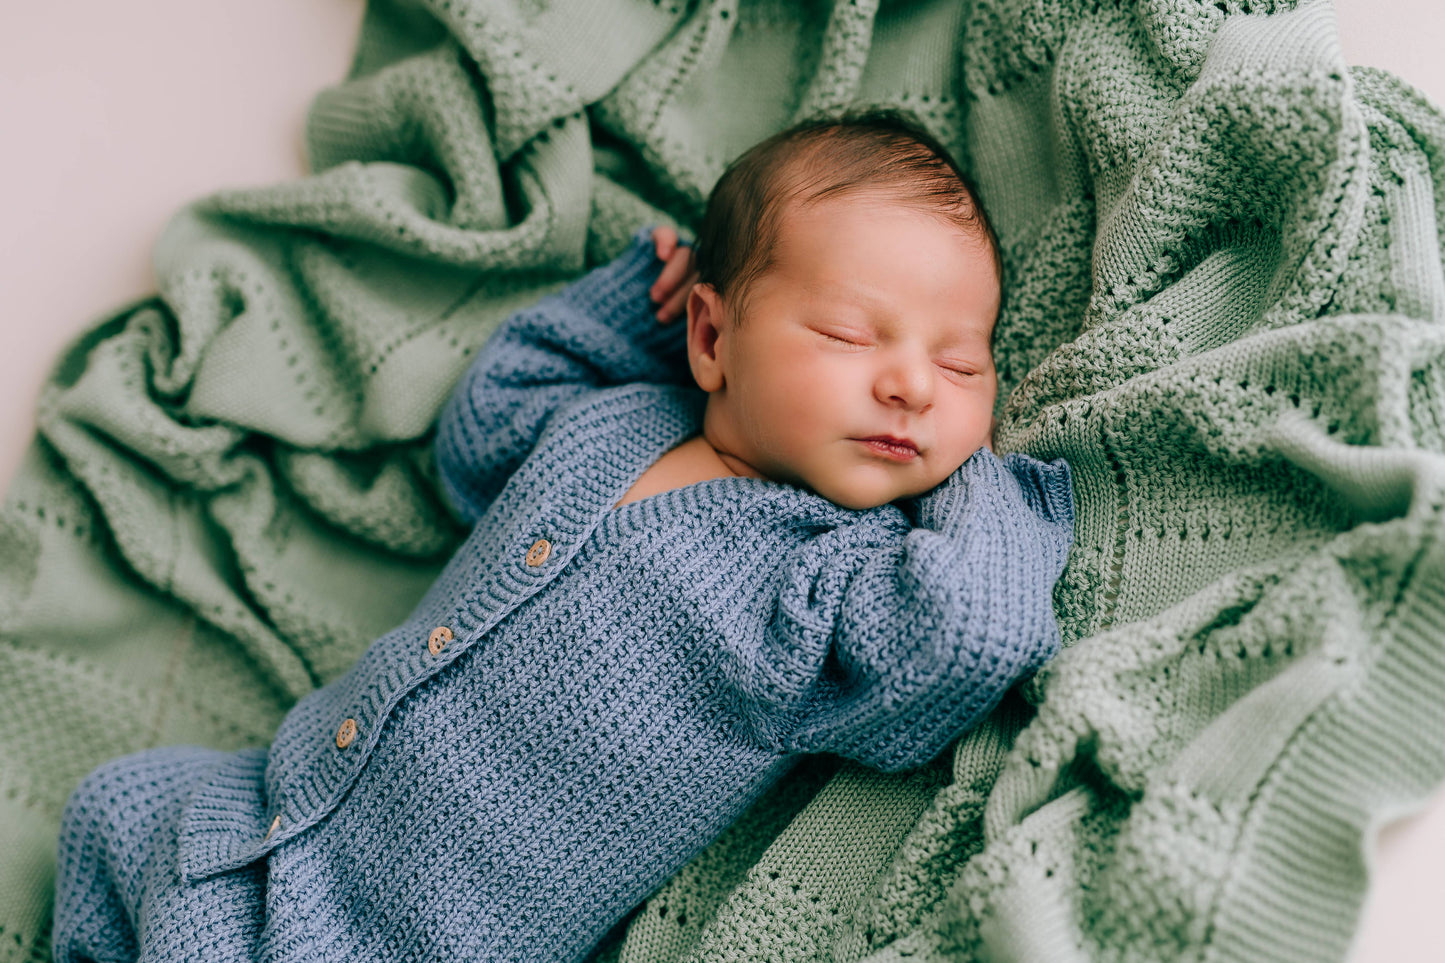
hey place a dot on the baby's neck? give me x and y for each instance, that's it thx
(733, 463)
(692, 461)
(717, 437)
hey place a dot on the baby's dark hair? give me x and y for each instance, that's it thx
(880, 149)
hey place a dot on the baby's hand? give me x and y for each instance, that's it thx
(672, 286)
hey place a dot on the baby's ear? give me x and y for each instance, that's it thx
(705, 320)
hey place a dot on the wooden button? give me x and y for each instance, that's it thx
(438, 639)
(275, 825)
(346, 734)
(539, 551)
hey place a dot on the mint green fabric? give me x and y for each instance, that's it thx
(1224, 309)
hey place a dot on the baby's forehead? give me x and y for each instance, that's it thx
(814, 279)
(786, 248)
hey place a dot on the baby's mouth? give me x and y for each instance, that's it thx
(888, 446)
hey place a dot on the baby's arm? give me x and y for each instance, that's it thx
(598, 331)
(898, 642)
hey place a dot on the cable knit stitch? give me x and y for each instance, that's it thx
(595, 718)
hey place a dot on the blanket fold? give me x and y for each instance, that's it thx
(1224, 308)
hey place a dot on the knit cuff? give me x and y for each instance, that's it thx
(616, 294)
(1043, 488)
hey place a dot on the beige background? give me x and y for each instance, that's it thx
(115, 114)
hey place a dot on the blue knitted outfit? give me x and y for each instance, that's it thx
(612, 688)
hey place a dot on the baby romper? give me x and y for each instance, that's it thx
(587, 695)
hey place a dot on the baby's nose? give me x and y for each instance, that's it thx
(906, 382)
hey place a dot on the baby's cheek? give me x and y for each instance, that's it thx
(797, 419)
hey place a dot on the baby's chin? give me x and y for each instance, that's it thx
(862, 493)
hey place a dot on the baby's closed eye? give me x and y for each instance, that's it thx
(953, 366)
(843, 336)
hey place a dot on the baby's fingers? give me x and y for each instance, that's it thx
(673, 275)
(676, 306)
(664, 240)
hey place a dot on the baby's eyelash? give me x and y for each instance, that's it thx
(963, 372)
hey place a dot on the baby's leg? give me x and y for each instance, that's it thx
(118, 893)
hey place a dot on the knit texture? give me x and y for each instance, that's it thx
(1223, 308)
(595, 717)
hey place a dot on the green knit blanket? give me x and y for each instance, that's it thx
(1224, 307)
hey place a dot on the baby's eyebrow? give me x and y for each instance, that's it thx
(841, 295)
(965, 337)
(877, 315)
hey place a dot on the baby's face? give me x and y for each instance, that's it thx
(873, 324)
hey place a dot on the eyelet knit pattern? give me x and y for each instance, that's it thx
(1224, 302)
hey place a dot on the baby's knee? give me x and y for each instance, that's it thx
(136, 787)
(92, 918)
(97, 803)
(122, 814)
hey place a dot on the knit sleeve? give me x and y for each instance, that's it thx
(597, 332)
(913, 639)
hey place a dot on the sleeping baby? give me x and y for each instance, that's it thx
(698, 551)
